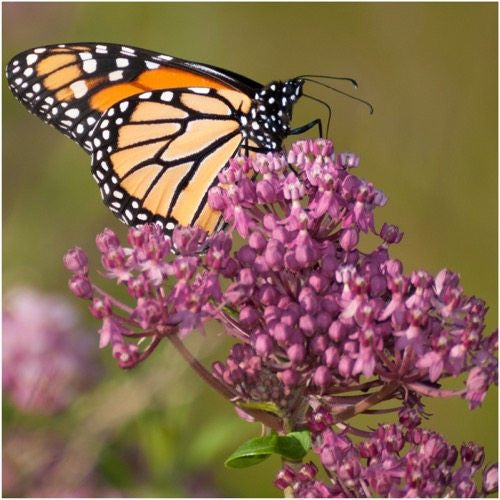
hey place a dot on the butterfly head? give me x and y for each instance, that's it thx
(271, 112)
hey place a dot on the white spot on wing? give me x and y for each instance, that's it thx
(115, 75)
(152, 65)
(167, 96)
(79, 88)
(72, 113)
(200, 90)
(121, 62)
(90, 65)
(30, 59)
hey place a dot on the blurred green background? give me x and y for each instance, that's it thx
(429, 69)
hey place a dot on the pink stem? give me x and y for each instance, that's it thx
(266, 418)
(117, 303)
(433, 392)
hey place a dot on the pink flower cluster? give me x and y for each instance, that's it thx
(319, 322)
(396, 460)
(47, 358)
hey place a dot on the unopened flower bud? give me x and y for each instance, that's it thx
(256, 241)
(289, 377)
(296, 354)
(284, 478)
(100, 308)
(80, 286)
(307, 472)
(322, 377)
(490, 479)
(107, 240)
(349, 239)
(76, 261)
(391, 234)
(263, 345)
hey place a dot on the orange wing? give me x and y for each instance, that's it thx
(156, 154)
(71, 86)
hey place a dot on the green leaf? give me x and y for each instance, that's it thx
(252, 452)
(294, 446)
(268, 406)
(304, 437)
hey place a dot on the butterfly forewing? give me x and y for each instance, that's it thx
(71, 86)
(156, 153)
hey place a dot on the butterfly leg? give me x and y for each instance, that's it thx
(308, 126)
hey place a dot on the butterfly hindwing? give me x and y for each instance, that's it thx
(155, 155)
(71, 86)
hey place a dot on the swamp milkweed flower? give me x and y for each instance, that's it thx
(324, 331)
(48, 359)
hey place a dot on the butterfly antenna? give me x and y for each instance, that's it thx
(327, 107)
(343, 78)
(366, 103)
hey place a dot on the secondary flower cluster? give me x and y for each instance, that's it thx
(47, 358)
(315, 317)
(396, 460)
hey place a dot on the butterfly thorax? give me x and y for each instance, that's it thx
(268, 121)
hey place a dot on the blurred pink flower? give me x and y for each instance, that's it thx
(30, 461)
(47, 357)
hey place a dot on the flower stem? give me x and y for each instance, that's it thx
(200, 369)
(433, 392)
(265, 417)
(367, 402)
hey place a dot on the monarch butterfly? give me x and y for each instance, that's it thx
(158, 128)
